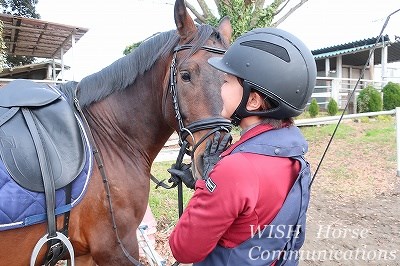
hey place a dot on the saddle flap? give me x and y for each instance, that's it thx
(61, 142)
(26, 93)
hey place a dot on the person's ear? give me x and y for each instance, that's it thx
(254, 102)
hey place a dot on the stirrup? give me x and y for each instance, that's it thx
(45, 239)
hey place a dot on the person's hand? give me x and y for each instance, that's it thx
(183, 174)
(213, 151)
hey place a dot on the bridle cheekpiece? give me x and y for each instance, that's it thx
(214, 124)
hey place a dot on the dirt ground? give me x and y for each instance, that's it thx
(354, 212)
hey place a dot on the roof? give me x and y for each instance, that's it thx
(37, 38)
(356, 53)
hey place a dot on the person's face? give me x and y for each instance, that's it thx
(231, 92)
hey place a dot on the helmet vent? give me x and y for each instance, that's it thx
(268, 47)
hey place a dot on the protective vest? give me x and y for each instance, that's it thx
(281, 240)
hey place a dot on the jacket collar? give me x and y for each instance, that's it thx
(257, 130)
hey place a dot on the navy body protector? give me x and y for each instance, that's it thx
(281, 240)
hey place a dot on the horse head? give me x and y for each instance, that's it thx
(195, 85)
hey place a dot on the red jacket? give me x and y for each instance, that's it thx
(249, 190)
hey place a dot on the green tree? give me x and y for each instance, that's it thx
(391, 96)
(246, 15)
(332, 107)
(369, 100)
(313, 109)
(23, 8)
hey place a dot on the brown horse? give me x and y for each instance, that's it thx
(131, 114)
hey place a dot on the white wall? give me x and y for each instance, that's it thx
(393, 72)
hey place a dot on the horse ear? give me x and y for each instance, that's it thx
(184, 23)
(225, 28)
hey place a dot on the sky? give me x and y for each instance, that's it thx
(113, 25)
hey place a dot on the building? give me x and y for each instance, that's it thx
(340, 66)
(46, 70)
(40, 39)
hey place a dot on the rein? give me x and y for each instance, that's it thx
(100, 165)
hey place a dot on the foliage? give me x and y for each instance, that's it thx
(313, 109)
(2, 48)
(245, 15)
(384, 118)
(248, 17)
(23, 8)
(131, 47)
(364, 119)
(391, 96)
(369, 100)
(18, 60)
(332, 107)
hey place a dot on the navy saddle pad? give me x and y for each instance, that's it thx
(35, 118)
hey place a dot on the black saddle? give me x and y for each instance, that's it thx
(39, 136)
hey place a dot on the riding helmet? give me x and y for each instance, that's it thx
(276, 64)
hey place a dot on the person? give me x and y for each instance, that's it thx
(250, 208)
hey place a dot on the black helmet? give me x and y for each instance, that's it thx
(274, 63)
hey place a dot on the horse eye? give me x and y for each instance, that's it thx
(185, 76)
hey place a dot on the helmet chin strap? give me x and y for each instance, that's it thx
(273, 112)
(241, 111)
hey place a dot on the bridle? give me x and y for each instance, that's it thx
(212, 124)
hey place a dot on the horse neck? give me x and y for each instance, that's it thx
(130, 123)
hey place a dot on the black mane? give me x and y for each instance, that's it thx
(124, 71)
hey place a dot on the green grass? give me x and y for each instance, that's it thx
(322, 132)
(323, 113)
(384, 134)
(164, 202)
